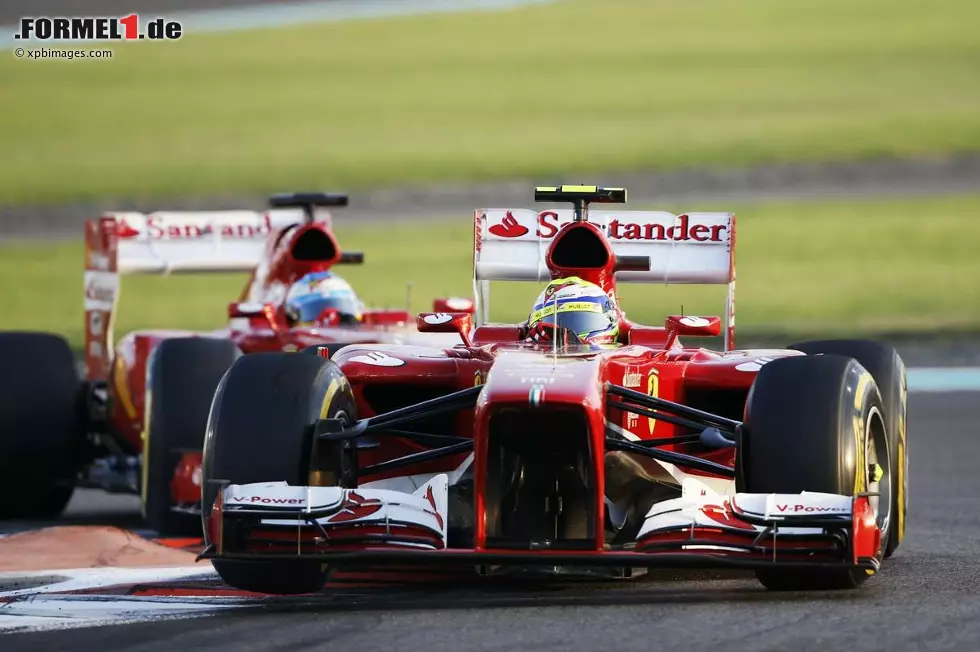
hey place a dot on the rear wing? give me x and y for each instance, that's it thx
(168, 242)
(694, 248)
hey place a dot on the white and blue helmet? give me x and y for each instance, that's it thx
(312, 295)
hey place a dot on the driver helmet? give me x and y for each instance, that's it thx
(581, 307)
(314, 293)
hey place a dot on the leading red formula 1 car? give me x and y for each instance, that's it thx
(136, 422)
(525, 446)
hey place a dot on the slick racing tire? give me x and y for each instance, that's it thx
(886, 367)
(41, 425)
(260, 430)
(815, 424)
(182, 376)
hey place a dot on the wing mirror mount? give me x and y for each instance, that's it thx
(688, 325)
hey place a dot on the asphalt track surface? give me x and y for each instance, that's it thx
(925, 598)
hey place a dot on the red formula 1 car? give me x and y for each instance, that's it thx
(504, 454)
(136, 422)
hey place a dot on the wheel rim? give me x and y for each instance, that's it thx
(877, 470)
(343, 416)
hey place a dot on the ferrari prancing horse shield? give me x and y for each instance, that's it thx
(653, 389)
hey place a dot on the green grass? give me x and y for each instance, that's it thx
(848, 266)
(547, 92)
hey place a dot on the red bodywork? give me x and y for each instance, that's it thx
(650, 359)
(530, 391)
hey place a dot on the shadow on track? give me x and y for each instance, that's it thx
(661, 587)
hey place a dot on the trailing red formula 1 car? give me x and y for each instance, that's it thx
(136, 422)
(576, 440)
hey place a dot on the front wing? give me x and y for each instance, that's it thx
(368, 526)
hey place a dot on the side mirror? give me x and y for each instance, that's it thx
(384, 317)
(254, 310)
(245, 309)
(351, 258)
(446, 322)
(454, 304)
(688, 325)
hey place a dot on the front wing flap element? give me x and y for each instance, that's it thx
(809, 526)
(274, 518)
(367, 526)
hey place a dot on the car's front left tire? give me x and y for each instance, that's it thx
(261, 430)
(816, 423)
(887, 368)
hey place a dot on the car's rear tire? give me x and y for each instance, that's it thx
(41, 425)
(182, 376)
(260, 431)
(814, 424)
(885, 365)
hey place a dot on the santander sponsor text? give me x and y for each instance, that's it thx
(682, 230)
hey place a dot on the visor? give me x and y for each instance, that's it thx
(580, 323)
(307, 310)
(580, 317)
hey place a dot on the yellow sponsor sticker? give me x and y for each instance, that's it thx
(653, 389)
(571, 306)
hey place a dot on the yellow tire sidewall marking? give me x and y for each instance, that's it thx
(861, 434)
(332, 388)
(901, 456)
(122, 388)
(145, 436)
